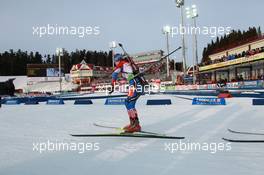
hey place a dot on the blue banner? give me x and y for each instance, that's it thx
(208, 101)
(115, 101)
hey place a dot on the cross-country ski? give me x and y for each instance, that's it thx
(245, 132)
(138, 135)
(244, 140)
(122, 130)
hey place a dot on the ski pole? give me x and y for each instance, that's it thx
(171, 53)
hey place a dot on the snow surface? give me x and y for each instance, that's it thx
(23, 125)
(20, 82)
(50, 86)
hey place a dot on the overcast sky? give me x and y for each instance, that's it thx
(136, 23)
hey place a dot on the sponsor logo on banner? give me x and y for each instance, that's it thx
(208, 101)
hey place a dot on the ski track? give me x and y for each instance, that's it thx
(204, 138)
(120, 152)
(197, 123)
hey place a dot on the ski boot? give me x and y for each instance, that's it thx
(134, 125)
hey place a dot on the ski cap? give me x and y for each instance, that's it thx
(118, 57)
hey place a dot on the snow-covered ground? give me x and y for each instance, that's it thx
(20, 82)
(21, 126)
(50, 87)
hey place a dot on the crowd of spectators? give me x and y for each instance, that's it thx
(237, 78)
(235, 56)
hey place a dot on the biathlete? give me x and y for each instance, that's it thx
(123, 67)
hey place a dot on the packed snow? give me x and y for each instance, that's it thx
(20, 82)
(23, 127)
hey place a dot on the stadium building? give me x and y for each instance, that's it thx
(243, 62)
(85, 74)
(151, 59)
(43, 73)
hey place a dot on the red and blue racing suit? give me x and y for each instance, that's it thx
(124, 67)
